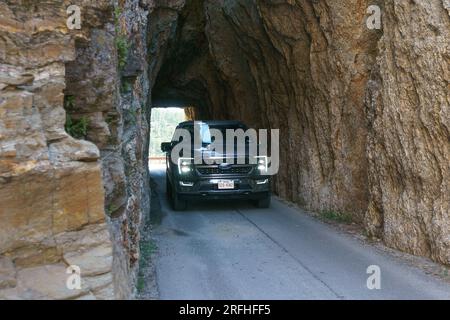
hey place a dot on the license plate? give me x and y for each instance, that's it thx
(226, 184)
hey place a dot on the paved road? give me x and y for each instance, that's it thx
(231, 250)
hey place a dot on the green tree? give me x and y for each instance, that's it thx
(163, 124)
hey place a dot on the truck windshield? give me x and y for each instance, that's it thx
(206, 131)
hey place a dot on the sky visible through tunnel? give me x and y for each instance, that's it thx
(163, 124)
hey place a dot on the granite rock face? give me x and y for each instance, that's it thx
(68, 201)
(107, 84)
(408, 108)
(50, 183)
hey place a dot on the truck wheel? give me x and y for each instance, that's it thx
(177, 203)
(168, 187)
(263, 203)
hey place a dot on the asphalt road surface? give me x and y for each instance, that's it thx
(232, 250)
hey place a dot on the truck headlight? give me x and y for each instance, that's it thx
(184, 165)
(262, 164)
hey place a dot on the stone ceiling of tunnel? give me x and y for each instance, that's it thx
(186, 67)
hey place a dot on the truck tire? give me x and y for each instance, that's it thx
(168, 187)
(177, 203)
(263, 203)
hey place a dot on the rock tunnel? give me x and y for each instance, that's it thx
(363, 113)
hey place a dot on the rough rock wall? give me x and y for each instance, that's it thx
(363, 113)
(130, 146)
(67, 201)
(408, 107)
(51, 190)
(108, 85)
(302, 67)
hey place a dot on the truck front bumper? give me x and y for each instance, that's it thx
(207, 188)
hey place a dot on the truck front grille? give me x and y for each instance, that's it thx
(215, 170)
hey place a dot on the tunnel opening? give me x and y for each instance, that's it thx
(236, 61)
(162, 126)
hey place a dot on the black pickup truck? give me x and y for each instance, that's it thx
(230, 178)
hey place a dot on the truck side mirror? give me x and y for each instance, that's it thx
(166, 146)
